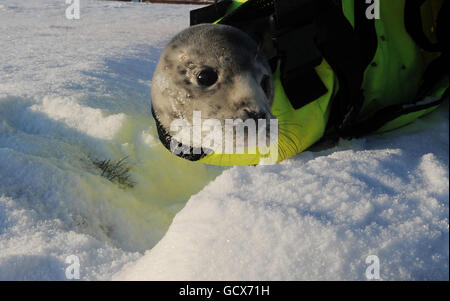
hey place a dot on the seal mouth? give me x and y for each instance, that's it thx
(258, 117)
(188, 152)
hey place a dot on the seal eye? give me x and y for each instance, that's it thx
(207, 77)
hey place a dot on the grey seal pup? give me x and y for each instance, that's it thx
(214, 69)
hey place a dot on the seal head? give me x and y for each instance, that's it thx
(214, 69)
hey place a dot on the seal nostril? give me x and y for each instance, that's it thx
(256, 115)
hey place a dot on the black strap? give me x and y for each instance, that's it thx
(382, 117)
(414, 25)
(348, 50)
(366, 33)
(210, 13)
(439, 67)
(442, 27)
(294, 34)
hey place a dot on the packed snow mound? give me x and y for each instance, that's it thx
(319, 215)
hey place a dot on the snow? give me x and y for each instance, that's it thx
(74, 91)
(319, 215)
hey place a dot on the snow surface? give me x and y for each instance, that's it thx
(73, 91)
(319, 215)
